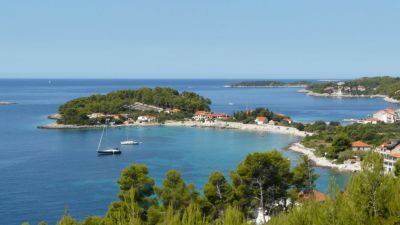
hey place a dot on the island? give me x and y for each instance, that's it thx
(267, 84)
(381, 86)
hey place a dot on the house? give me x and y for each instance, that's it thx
(217, 116)
(390, 152)
(387, 115)
(313, 194)
(360, 146)
(96, 115)
(147, 118)
(261, 120)
(371, 121)
(200, 115)
(171, 111)
(272, 122)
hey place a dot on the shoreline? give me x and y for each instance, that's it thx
(266, 86)
(216, 125)
(322, 161)
(384, 97)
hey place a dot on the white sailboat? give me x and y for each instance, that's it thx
(108, 150)
(129, 141)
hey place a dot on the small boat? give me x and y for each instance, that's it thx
(129, 142)
(108, 150)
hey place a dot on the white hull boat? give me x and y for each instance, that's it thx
(130, 142)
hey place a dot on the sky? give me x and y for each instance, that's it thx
(199, 39)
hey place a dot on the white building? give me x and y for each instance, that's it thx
(387, 115)
(146, 119)
(390, 152)
(200, 115)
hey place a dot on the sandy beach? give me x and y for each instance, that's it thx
(324, 162)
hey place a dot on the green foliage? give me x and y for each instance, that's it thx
(397, 168)
(175, 193)
(76, 110)
(304, 176)
(135, 183)
(261, 180)
(218, 191)
(67, 220)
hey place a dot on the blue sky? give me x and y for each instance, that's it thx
(199, 39)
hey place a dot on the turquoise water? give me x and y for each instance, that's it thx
(44, 171)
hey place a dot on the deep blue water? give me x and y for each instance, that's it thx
(45, 171)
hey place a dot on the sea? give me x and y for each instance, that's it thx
(45, 172)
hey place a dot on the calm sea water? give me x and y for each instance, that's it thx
(45, 171)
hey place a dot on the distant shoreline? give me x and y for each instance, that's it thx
(384, 97)
(266, 86)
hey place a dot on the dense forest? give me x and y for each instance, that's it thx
(384, 85)
(269, 83)
(334, 140)
(77, 110)
(262, 180)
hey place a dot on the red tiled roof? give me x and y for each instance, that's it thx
(389, 110)
(319, 196)
(373, 119)
(261, 118)
(395, 154)
(201, 113)
(360, 144)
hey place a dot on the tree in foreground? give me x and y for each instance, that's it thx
(304, 176)
(261, 181)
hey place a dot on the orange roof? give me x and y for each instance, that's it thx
(389, 110)
(319, 196)
(373, 119)
(360, 144)
(201, 113)
(395, 154)
(261, 118)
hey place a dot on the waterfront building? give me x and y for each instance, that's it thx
(388, 115)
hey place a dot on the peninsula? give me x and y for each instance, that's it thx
(385, 87)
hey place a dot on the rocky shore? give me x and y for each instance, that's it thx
(324, 162)
(334, 95)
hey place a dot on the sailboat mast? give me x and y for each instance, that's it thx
(101, 138)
